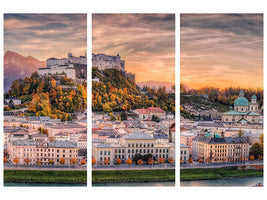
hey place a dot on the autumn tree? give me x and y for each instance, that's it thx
(27, 161)
(170, 160)
(51, 161)
(200, 160)
(38, 162)
(140, 162)
(190, 160)
(93, 161)
(83, 162)
(161, 160)
(240, 133)
(150, 161)
(251, 157)
(256, 150)
(118, 161)
(106, 161)
(62, 161)
(73, 161)
(5, 160)
(16, 160)
(129, 161)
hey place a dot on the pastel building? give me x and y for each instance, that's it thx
(244, 112)
(146, 114)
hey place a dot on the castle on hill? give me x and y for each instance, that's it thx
(244, 112)
(103, 61)
(72, 67)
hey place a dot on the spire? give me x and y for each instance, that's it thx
(241, 94)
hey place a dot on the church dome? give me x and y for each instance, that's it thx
(241, 101)
(254, 97)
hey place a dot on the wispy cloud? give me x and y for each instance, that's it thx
(145, 41)
(45, 35)
(222, 50)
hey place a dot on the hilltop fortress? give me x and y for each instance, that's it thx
(103, 61)
(73, 67)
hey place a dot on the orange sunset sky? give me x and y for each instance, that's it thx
(145, 41)
(221, 50)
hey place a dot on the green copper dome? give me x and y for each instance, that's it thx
(254, 97)
(241, 101)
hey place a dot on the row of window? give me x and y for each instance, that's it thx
(141, 145)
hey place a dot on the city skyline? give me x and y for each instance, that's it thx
(45, 35)
(221, 50)
(145, 41)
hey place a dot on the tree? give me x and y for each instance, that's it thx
(39, 162)
(83, 162)
(251, 157)
(5, 160)
(190, 160)
(62, 161)
(73, 161)
(27, 161)
(161, 160)
(123, 116)
(150, 161)
(129, 161)
(256, 150)
(118, 161)
(106, 161)
(51, 161)
(93, 161)
(223, 160)
(140, 162)
(200, 160)
(170, 160)
(16, 160)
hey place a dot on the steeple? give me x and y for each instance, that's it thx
(241, 94)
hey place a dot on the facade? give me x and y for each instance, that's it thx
(184, 153)
(15, 101)
(128, 146)
(42, 151)
(146, 114)
(220, 149)
(102, 62)
(244, 112)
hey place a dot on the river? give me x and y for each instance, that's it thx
(146, 184)
(245, 182)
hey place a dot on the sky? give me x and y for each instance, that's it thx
(145, 41)
(221, 50)
(45, 35)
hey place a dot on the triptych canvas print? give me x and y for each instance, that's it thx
(133, 134)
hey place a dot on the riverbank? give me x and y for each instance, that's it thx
(217, 173)
(41, 176)
(131, 176)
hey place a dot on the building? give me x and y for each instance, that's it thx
(184, 153)
(244, 112)
(102, 62)
(11, 100)
(128, 146)
(42, 151)
(220, 149)
(146, 114)
(71, 67)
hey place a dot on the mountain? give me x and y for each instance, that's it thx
(17, 66)
(155, 84)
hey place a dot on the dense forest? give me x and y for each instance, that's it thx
(44, 97)
(116, 92)
(225, 96)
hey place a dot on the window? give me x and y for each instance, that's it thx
(101, 153)
(108, 152)
(105, 153)
(128, 144)
(152, 145)
(148, 145)
(129, 151)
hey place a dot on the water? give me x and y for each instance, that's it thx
(146, 184)
(42, 185)
(233, 182)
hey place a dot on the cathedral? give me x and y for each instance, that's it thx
(244, 112)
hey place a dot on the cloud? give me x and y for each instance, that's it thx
(145, 41)
(45, 35)
(222, 50)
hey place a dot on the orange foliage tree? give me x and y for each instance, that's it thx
(27, 161)
(129, 161)
(150, 161)
(51, 161)
(118, 161)
(223, 159)
(106, 161)
(190, 160)
(39, 162)
(5, 160)
(200, 160)
(73, 161)
(83, 162)
(170, 160)
(161, 160)
(140, 162)
(93, 161)
(62, 161)
(251, 157)
(16, 160)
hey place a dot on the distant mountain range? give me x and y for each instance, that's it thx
(155, 84)
(17, 66)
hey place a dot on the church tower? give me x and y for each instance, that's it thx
(253, 106)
